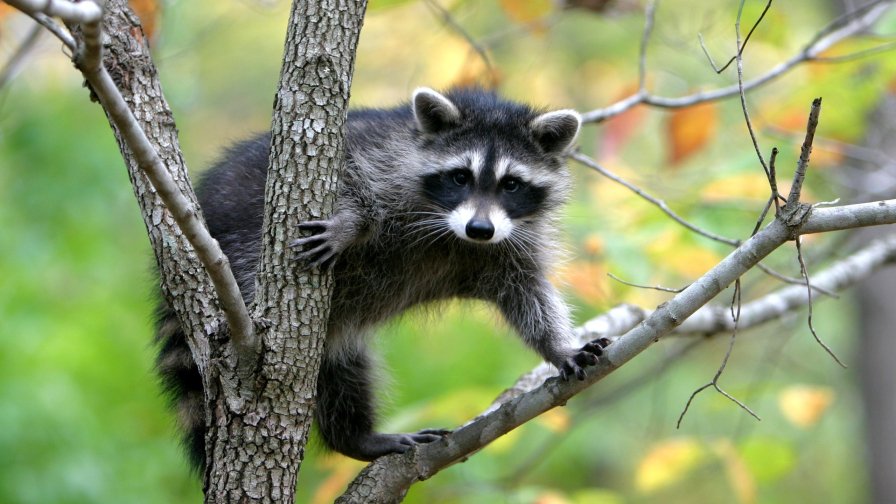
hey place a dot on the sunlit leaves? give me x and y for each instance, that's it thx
(690, 129)
(804, 405)
(668, 462)
(526, 11)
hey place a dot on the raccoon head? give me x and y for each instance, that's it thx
(496, 165)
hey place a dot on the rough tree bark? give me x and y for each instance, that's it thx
(257, 446)
(258, 411)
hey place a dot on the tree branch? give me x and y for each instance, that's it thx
(842, 28)
(427, 460)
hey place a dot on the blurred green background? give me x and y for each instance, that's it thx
(81, 416)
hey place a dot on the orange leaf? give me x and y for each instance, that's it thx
(689, 129)
(526, 11)
(803, 405)
(148, 11)
(620, 129)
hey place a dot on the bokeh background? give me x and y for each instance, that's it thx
(81, 415)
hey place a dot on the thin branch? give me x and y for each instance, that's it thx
(649, 16)
(806, 149)
(452, 23)
(742, 47)
(18, 59)
(735, 318)
(805, 272)
(70, 12)
(654, 287)
(847, 26)
(594, 165)
(54, 28)
(843, 58)
(743, 98)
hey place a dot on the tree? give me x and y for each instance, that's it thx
(230, 391)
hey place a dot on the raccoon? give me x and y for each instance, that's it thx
(452, 195)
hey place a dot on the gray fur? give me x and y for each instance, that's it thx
(391, 249)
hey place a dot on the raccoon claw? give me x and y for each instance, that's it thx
(584, 357)
(376, 445)
(321, 248)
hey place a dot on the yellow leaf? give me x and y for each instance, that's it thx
(737, 471)
(689, 129)
(526, 11)
(551, 497)
(556, 420)
(667, 463)
(803, 405)
(588, 280)
(751, 186)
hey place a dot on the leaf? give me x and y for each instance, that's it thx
(588, 280)
(737, 471)
(667, 463)
(767, 459)
(148, 11)
(689, 129)
(556, 420)
(751, 186)
(620, 129)
(526, 11)
(803, 405)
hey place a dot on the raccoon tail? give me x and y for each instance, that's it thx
(182, 383)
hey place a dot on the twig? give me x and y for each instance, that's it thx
(834, 32)
(743, 98)
(649, 15)
(806, 149)
(17, 60)
(452, 23)
(805, 272)
(655, 287)
(55, 29)
(594, 165)
(742, 47)
(735, 317)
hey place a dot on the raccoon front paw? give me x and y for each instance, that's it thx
(377, 444)
(584, 357)
(329, 237)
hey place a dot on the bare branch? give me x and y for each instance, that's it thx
(594, 165)
(848, 25)
(803, 164)
(70, 12)
(17, 60)
(741, 48)
(805, 272)
(654, 287)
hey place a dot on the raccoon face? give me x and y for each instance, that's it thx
(500, 164)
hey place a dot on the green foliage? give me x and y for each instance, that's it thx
(83, 420)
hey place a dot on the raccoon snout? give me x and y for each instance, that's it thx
(480, 229)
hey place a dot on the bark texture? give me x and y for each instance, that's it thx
(256, 448)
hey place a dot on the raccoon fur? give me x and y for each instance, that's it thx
(453, 195)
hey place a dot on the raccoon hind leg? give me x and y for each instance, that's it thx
(345, 410)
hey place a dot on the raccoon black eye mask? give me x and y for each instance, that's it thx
(453, 195)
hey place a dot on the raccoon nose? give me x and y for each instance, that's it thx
(480, 229)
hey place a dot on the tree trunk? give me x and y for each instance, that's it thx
(256, 449)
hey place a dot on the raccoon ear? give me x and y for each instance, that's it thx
(556, 131)
(433, 111)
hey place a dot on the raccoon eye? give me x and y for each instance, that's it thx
(511, 185)
(460, 178)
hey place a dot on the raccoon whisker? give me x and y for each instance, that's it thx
(432, 234)
(520, 247)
